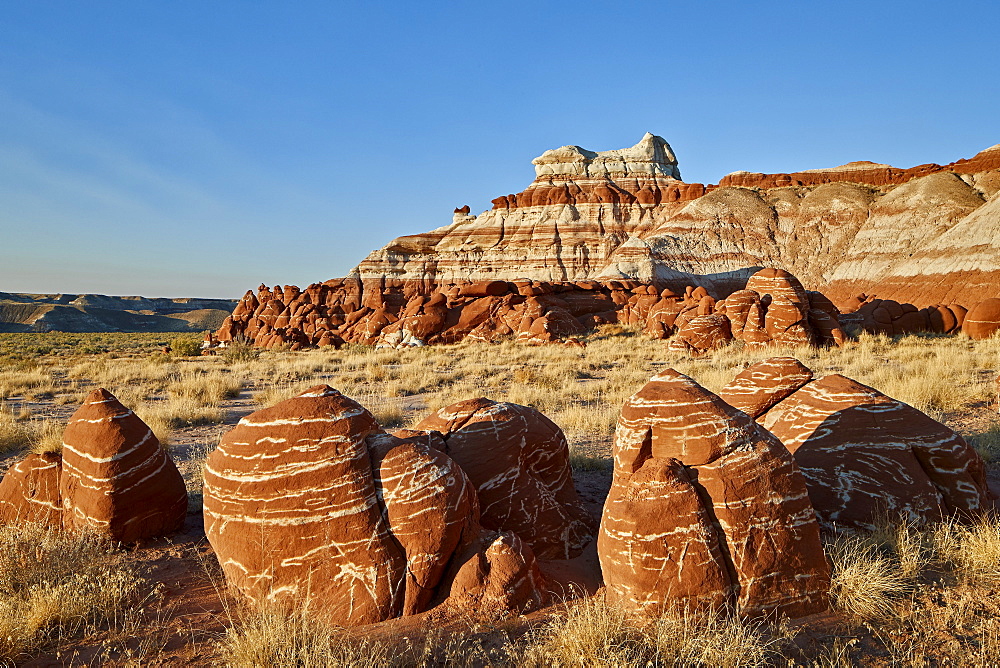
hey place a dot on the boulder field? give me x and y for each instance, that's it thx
(112, 477)
(772, 308)
(715, 501)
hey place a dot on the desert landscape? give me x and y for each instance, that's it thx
(499, 334)
(493, 445)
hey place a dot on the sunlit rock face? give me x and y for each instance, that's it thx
(925, 235)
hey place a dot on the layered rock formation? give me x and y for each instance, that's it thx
(706, 508)
(862, 454)
(925, 235)
(310, 501)
(112, 477)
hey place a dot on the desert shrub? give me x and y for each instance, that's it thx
(240, 349)
(48, 437)
(20, 432)
(56, 585)
(987, 444)
(585, 462)
(186, 346)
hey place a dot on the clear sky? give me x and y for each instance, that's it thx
(194, 148)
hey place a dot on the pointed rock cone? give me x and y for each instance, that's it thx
(116, 479)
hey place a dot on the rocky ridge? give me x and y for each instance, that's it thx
(925, 235)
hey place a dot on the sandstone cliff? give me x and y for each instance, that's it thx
(927, 234)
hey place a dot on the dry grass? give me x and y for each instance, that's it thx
(20, 432)
(972, 551)
(590, 632)
(30, 384)
(866, 582)
(273, 638)
(55, 587)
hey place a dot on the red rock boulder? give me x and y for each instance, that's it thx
(983, 319)
(116, 479)
(518, 461)
(863, 454)
(29, 491)
(701, 334)
(762, 385)
(707, 508)
(292, 511)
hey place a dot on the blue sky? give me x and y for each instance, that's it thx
(200, 148)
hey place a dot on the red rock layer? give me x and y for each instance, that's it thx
(706, 507)
(650, 191)
(863, 454)
(861, 172)
(116, 479)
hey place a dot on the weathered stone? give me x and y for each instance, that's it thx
(292, 511)
(518, 461)
(706, 507)
(29, 491)
(864, 454)
(762, 385)
(116, 479)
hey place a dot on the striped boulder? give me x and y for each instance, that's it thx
(116, 479)
(706, 508)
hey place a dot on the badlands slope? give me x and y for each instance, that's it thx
(927, 234)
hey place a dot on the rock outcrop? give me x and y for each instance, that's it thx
(29, 491)
(863, 454)
(983, 321)
(912, 244)
(532, 312)
(923, 235)
(112, 477)
(310, 501)
(116, 479)
(706, 508)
